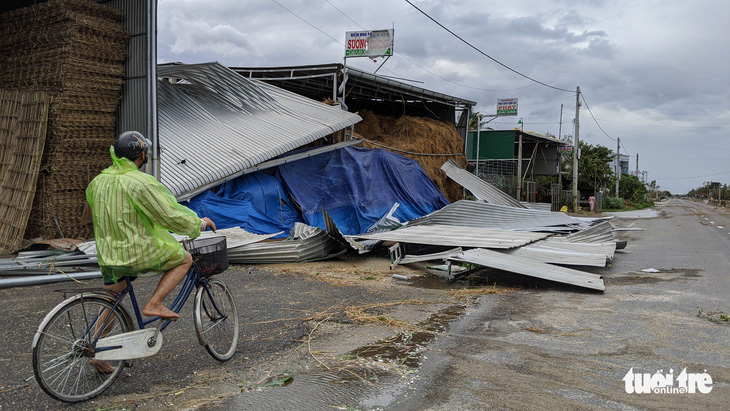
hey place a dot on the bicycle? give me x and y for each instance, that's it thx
(94, 325)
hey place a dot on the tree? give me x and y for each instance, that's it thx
(594, 167)
(631, 190)
(475, 119)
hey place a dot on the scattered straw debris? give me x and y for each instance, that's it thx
(362, 317)
(715, 316)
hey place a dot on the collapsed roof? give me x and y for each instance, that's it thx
(215, 125)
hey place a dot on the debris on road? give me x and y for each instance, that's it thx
(530, 267)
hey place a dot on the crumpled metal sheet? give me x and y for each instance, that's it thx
(530, 267)
(305, 243)
(448, 235)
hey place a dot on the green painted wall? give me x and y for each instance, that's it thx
(492, 145)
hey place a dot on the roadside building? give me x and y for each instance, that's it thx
(507, 157)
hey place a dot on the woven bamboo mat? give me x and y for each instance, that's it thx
(23, 143)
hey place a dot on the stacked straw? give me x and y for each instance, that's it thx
(74, 49)
(422, 139)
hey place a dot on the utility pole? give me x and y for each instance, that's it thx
(519, 163)
(576, 148)
(637, 165)
(479, 127)
(560, 137)
(618, 163)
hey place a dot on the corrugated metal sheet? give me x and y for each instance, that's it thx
(138, 107)
(446, 235)
(537, 206)
(47, 279)
(214, 123)
(307, 244)
(235, 236)
(411, 258)
(607, 248)
(466, 213)
(46, 264)
(546, 254)
(532, 268)
(601, 232)
(480, 188)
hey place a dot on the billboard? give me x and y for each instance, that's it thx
(369, 43)
(507, 107)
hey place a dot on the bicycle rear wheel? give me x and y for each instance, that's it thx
(63, 349)
(216, 320)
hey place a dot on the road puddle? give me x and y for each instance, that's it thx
(406, 347)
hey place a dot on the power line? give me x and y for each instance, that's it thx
(310, 24)
(485, 54)
(343, 13)
(685, 178)
(594, 117)
(453, 82)
(423, 68)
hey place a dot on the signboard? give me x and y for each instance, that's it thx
(507, 107)
(565, 148)
(373, 43)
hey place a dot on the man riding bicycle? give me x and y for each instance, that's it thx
(133, 215)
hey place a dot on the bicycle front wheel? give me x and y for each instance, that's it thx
(216, 320)
(63, 353)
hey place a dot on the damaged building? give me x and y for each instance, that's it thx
(268, 153)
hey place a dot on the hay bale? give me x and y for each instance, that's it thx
(430, 142)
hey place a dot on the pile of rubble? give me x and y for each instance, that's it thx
(516, 239)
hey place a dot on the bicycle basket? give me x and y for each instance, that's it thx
(210, 255)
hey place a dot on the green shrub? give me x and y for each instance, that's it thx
(613, 203)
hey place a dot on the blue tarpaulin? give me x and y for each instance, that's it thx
(256, 202)
(356, 186)
(359, 185)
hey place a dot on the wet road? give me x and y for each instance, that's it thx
(544, 346)
(549, 348)
(278, 310)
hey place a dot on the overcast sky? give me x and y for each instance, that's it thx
(655, 74)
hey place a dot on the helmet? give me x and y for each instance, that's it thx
(131, 144)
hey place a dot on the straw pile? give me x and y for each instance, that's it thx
(417, 138)
(23, 121)
(74, 49)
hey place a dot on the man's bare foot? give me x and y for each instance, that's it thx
(103, 366)
(160, 311)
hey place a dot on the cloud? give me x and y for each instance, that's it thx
(193, 36)
(653, 73)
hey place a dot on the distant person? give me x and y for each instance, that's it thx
(133, 215)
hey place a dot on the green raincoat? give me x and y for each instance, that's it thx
(133, 215)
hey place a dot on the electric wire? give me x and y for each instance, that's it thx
(410, 152)
(310, 24)
(485, 54)
(398, 53)
(343, 13)
(453, 82)
(594, 117)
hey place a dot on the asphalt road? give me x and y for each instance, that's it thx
(544, 346)
(553, 348)
(278, 309)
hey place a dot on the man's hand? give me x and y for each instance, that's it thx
(209, 223)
